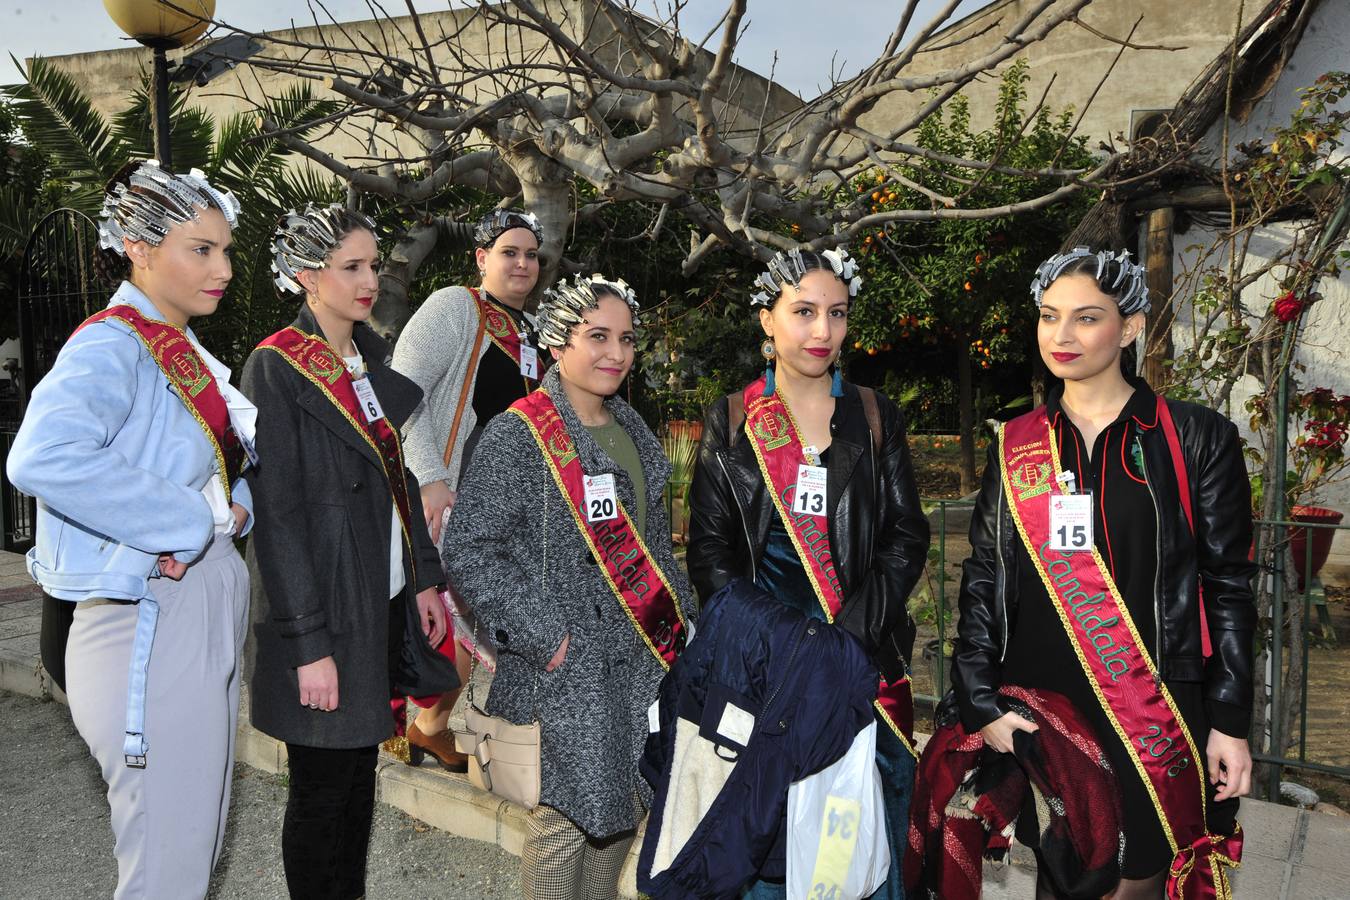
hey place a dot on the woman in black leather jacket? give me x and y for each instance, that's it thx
(1112, 439)
(853, 551)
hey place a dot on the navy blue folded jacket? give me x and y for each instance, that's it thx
(762, 697)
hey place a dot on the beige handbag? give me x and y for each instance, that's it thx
(504, 757)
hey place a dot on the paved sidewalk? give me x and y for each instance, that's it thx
(1290, 854)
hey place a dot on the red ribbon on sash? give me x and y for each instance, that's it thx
(776, 440)
(192, 380)
(321, 365)
(499, 327)
(639, 585)
(1123, 676)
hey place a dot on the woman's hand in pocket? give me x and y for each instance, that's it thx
(560, 656)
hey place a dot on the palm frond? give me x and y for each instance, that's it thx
(190, 131)
(56, 115)
(253, 159)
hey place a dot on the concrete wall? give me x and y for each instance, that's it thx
(1323, 349)
(1077, 59)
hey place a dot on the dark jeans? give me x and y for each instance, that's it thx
(327, 827)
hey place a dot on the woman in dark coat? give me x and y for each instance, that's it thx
(851, 548)
(1136, 606)
(581, 591)
(339, 550)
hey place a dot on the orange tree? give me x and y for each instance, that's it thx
(948, 300)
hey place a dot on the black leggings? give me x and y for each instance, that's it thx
(327, 826)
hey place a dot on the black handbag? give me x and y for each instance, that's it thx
(418, 670)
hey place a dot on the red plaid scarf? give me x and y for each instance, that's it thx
(967, 799)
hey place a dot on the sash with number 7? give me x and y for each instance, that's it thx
(639, 585)
(776, 440)
(1118, 666)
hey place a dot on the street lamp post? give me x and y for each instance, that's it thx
(161, 25)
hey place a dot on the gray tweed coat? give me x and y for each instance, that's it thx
(514, 553)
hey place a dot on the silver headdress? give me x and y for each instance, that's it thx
(491, 226)
(306, 240)
(130, 212)
(564, 306)
(1116, 274)
(790, 268)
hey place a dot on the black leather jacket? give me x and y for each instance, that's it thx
(878, 533)
(1221, 500)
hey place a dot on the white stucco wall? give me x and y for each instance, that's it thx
(1325, 349)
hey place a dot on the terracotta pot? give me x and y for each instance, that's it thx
(1321, 539)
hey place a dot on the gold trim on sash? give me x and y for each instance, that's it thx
(775, 437)
(1153, 716)
(321, 365)
(174, 355)
(540, 415)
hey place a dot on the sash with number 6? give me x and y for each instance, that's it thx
(776, 440)
(321, 366)
(639, 585)
(1122, 674)
(180, 362)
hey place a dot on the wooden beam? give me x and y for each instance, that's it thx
(1158, 261)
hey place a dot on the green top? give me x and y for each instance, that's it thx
(614, 441)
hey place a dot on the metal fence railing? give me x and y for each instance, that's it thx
(1313, 599)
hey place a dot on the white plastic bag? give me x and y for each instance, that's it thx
(836, 838)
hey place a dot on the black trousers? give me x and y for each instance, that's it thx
(327, 827)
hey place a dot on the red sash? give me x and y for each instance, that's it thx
(321, 365)
(1118, 666)
(499, 326)
(774, 436)
(171, 350)
(640, 586)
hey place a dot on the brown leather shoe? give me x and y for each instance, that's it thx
(441, 746)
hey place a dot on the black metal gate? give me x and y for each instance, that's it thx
(57, 291)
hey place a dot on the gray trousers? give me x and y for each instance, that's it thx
(168, 819)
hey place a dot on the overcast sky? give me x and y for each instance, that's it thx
(808, 43)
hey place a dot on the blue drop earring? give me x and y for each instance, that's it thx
(837, 383)
(768, 351)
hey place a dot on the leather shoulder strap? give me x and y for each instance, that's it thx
(468, 380)
(735, 417)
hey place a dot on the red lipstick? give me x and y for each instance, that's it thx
(818, 352)
(364, 301)
(216, 294)
(1065, 357)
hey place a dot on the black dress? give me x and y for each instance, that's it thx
(1040, 654)
(499, 382)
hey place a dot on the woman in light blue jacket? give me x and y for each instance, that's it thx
(133, 446)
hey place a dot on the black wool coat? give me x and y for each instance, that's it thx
(319, 551)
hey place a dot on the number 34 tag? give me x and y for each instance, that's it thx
(1071, 522)
(809, 498)
(601, 501)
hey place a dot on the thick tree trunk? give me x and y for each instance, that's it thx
(393, 308)
(966, 406)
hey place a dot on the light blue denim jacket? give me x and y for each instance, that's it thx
(117, 464)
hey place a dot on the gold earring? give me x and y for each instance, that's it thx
(767, 349)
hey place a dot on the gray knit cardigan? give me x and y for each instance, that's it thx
(433, 350)
(514, 553)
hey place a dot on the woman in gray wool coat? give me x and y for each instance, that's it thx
(585, 613)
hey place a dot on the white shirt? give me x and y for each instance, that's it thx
(397, 580)
(244, 421)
